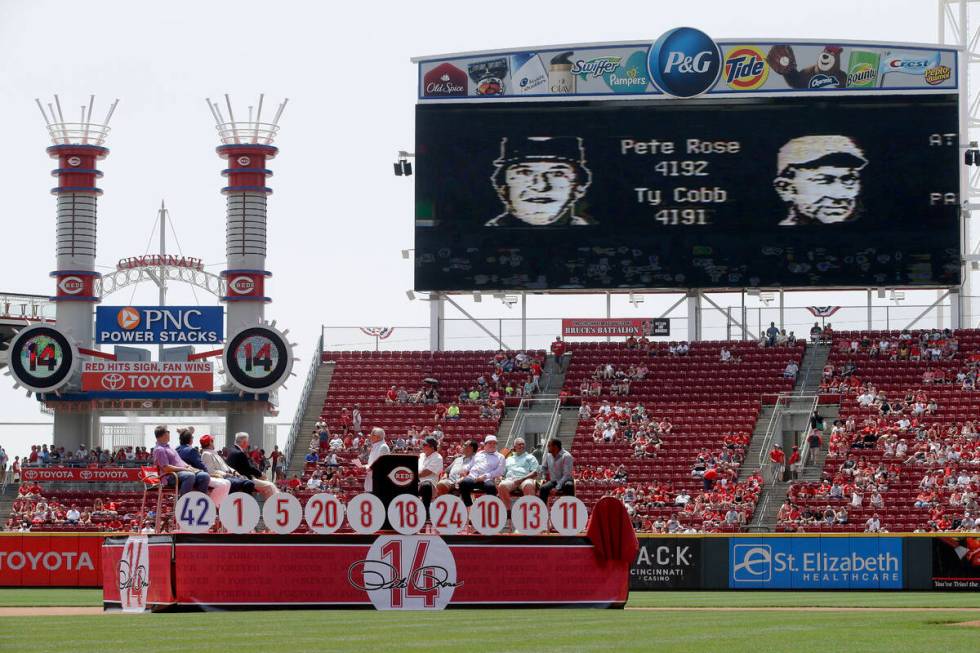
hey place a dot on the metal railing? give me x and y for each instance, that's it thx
(304, 400)
(554, 424)
(774, 420)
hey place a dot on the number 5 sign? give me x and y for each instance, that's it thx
(406, 572)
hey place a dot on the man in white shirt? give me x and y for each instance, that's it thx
(430, 469)
(459, 469)
(488, 465)
(378, 448)
(873, 525)
(72, 516)
(315, 483)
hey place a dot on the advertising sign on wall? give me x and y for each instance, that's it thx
(81, 474)
(148, 376)
(614, 327)
(685, 62)
(159, 325)
(816, 563)
(667, 563)
(62, 560)
(956, 563)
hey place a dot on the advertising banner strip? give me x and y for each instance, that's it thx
(686, 62)
(159, 325)
(80, 474)
(956, 563)
(50, 561)
(150, 376)
(614, 327)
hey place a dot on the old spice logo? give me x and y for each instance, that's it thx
(445, 80)
(401, 476)
(71, 285)
(242, 285)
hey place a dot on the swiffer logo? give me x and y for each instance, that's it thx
(684, 62)
(753, 563)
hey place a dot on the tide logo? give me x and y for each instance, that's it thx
(71, 285)
(128, 318)
(401, 476)
(745, 68)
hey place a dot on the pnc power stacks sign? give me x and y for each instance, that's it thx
(159, 325)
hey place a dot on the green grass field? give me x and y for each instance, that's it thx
(517, 630)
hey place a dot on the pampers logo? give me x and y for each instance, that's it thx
(684, 62)
(629, 76)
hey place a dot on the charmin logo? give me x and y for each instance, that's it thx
(71, 285)
(401, 476)
(445, 80)
(753, 563)
(128, 318)
(823, 81)
(113, 381)
(938, 75)
(745, 68)
(595, 67)
(242, 285)
(684, 62)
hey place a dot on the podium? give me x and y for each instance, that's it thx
(394, 474)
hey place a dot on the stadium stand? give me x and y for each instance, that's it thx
(712, 407)
(905, 446)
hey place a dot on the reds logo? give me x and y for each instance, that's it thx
(71, 285)
(242, 285)
(401, 476)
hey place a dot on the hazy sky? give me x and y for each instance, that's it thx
(338, 218)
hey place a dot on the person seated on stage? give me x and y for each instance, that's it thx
(220, 487)
(218, 468)
(488, 465)
(459, 469)
(557, 468)
(169, 462)
(430, 469)
(239, 461)
(521, 468)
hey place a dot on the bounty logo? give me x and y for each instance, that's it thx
(684, 62)
(745, 68)
(630, 76)
(128, 318)
(595, 67)
(753, 563)
(862, 69)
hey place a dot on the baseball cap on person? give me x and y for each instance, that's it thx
(490, 438)
(206, 440)
(541, 148)
(807, 151)
(432, 442)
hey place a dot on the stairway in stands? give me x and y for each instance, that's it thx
(318, 395)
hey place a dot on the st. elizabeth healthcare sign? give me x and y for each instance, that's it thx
(815, 563)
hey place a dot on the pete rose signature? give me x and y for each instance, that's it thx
(432, 577)
(130, 578)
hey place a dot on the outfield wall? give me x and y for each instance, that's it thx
(808, 562)
(709, 562)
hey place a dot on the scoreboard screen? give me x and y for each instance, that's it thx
(768, 192)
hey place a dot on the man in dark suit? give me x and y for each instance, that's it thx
(239, 460)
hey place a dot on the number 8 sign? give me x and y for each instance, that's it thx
(365, 513)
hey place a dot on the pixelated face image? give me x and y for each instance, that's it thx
(539, 192)
(826, 194)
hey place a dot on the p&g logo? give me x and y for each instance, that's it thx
(753, 563)
(684, 62)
